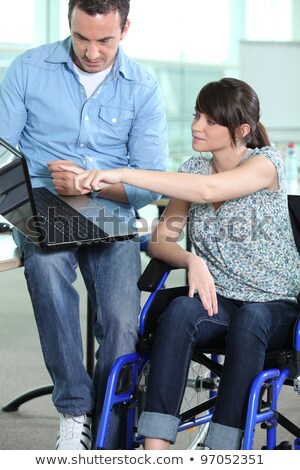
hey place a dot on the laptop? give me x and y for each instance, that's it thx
(53, 221)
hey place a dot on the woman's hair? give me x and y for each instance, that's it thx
(231, 102)
(101, 7)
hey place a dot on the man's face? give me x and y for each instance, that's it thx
(95, 39)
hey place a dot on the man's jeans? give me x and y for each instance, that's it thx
(110, 272)
(249, 330)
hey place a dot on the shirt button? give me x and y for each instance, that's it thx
(82, 145)
(86, 118)
(114, 120)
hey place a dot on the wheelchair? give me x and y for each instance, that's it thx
(127, 383)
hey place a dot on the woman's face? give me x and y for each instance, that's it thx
(207, 135)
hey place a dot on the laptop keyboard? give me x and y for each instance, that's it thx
(71, 224)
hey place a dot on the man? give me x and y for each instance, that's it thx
(82, 100)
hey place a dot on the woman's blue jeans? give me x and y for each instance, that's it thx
(110, 272)
(249, 330)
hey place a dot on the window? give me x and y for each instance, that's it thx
(270, 20)
(17, 24)
(64, 29)
(164, 30)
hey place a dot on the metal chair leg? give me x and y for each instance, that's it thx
(15, 403)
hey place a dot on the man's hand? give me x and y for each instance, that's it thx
(63, 179)
(92, 180)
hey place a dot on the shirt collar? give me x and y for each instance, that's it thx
(122, 65)
(61, 53)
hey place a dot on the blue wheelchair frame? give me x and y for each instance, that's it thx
(284, 370)
(270, 381)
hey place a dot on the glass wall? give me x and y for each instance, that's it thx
(269, 20)
(13, 28)
(184, 44)
(25, 24)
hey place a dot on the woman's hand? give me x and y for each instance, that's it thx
(201, 281)
(93, 180)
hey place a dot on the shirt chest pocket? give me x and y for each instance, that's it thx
(115, 123)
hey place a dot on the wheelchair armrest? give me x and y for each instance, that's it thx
(153, 274)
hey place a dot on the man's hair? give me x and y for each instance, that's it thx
(101, 7)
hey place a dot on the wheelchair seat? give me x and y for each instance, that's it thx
(282, 368)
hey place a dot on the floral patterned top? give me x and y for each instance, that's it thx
(247, 242)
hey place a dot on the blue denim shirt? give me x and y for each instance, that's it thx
(44, 110)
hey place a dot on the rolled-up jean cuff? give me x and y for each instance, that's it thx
(158, 426)
(221, 437)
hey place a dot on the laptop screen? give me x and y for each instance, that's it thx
(14, 197)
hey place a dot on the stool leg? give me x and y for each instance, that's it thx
(16, 402)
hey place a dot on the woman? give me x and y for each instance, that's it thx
(244, 275)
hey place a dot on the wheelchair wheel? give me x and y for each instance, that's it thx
(196, 393)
